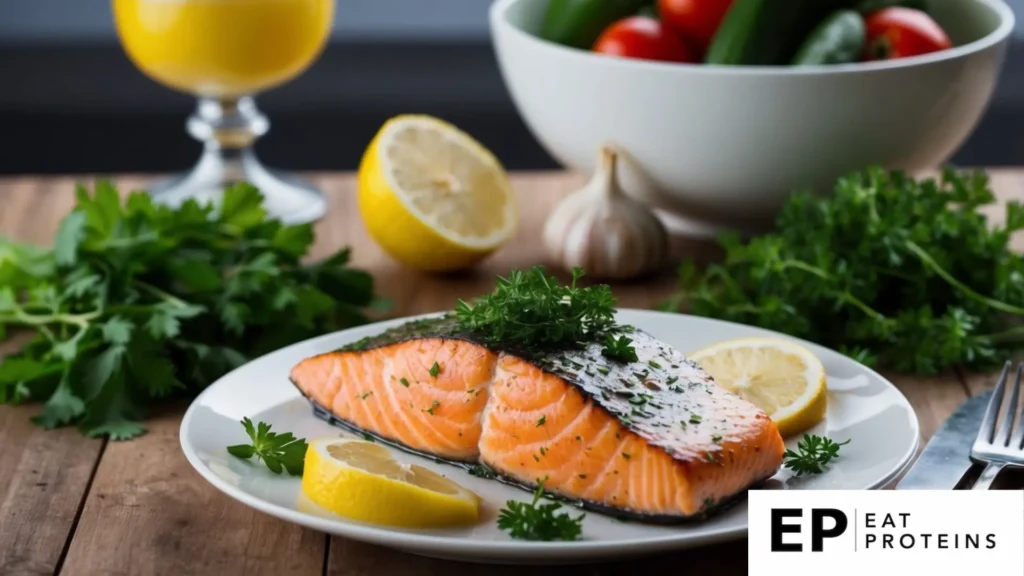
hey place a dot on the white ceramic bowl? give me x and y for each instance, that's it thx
(723, 146)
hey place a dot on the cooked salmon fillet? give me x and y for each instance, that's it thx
(653, 439)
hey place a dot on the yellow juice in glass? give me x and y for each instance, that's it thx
(223, 48)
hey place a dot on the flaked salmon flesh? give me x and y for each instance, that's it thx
(653, 439)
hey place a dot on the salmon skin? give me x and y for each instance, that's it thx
(654, 440)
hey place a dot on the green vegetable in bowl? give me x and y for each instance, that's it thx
(839, 39)
(765, 32)
(900, 273)
(578, 23)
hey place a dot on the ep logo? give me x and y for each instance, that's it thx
(823, 523)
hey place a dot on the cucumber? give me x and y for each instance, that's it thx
(839, 39)
(766, 32)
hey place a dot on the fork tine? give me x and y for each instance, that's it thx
(1003, 439)
(1017, 441)
(987, 430)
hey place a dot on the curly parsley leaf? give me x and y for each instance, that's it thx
(812, 455)
(279, 452)
(902, 273)
(535, 521)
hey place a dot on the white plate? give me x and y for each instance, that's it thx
(863, 407)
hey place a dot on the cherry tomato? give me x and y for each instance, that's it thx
(696, 20)
(644, 38)
(901, 32)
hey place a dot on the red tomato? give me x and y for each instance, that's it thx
(696, 20)
(644, 38)
(901, 32)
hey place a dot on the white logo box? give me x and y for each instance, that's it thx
(887, 532)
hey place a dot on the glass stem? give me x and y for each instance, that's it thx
(228, 130)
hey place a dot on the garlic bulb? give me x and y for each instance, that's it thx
(603, 231)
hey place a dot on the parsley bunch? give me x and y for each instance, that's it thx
(895, 272)
(137, 302)
(533, 309)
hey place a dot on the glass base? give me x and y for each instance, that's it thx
(285, 197)
(229, 129)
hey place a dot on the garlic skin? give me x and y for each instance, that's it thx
(605, 232)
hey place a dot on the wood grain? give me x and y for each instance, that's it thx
(147, 512)
(44, 475)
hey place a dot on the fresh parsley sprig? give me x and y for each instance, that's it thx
(813, 455)
(896, 272)
(278, 451)
(137, 302)
(535, 521)
(620, 349)
(533, 309)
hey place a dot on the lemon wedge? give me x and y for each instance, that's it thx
(362, 481)
(433, 197)
(781, 377)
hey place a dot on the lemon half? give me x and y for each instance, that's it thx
(781, 377)
(362, 481)
(432, 196)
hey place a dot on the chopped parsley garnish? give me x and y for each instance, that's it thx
(695, 419)
(433, 405)
(368, 438)
(716, 438)
(366, 395)
(404, 382)
(435, 370)
(534, 521)
(654, 364)
(603, 370)
(812, 455)
(626, 455)
(542, 420)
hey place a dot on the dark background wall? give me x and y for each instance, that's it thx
(71, 102)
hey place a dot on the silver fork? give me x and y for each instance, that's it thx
(1005, 447)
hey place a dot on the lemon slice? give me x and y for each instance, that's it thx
(432, 196)
(362, 481)
(781, 377)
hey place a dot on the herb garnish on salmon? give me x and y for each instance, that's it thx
(552, 400)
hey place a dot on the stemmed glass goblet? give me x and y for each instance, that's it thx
(225, 52)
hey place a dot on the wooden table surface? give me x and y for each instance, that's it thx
(79, 506)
